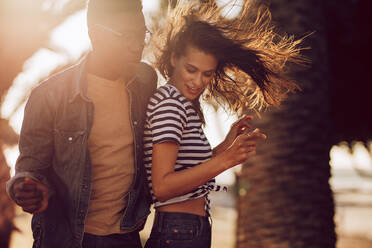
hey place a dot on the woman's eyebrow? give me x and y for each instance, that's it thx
(190, 65)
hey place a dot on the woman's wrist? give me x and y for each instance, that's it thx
(220, 148)
(224, 160)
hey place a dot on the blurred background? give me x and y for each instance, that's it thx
(310, 184)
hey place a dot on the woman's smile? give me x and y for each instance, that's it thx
(193, 90)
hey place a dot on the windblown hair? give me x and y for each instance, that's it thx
(252, 58)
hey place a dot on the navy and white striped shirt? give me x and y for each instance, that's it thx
(171, 117)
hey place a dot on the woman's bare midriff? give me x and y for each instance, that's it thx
(194, 206)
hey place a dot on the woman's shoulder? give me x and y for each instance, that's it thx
(169, 93)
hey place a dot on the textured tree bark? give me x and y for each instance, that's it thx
(285, 198)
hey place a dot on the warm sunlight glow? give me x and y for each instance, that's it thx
(231, 8)
(71, 37)
(11, 155)
(362, 157)
(344, 166)
(340, 157)
(35, 68)
(150, 5)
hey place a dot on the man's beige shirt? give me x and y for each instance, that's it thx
(111, 147)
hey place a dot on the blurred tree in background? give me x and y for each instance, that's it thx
(284, 195)
(285, 199)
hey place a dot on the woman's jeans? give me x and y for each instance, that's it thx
(127, 240)
(179, 230)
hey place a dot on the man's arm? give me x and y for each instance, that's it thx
(30, 188)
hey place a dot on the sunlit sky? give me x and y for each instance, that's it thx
(70, 40)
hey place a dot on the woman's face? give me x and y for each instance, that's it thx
(193, 71)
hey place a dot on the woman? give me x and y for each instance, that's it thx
(225, 60)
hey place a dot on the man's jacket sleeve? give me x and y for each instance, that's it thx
(36, 144)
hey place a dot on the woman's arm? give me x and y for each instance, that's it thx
(167, 183)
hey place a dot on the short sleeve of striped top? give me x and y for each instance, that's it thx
(171, 117)
(166, 117)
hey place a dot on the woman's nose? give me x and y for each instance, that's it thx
(198, 81)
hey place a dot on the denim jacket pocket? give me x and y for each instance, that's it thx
(68, 147)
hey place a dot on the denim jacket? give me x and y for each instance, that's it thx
(53, 149)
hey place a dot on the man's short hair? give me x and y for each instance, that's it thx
(99, 10)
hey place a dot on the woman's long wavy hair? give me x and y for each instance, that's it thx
(252, 58)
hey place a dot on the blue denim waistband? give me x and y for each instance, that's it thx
(161, 218)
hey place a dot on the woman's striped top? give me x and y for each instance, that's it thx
(171, 117)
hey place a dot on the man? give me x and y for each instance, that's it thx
(80, 170)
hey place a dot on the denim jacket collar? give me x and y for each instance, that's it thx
(79, 80)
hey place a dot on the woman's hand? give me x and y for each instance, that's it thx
(238, 127)
(242, 148)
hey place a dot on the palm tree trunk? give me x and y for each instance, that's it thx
(285, 199)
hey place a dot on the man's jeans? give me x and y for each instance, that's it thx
(180, 230)
(128, 240)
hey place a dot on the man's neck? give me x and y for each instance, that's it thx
(96, 66)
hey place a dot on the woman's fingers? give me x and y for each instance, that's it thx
(244, 146)
(243, 129)
(244, 119)
(247, 143)
(256, 135)
(251, 153)
(243, 124)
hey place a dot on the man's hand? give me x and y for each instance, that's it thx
(31, 195)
